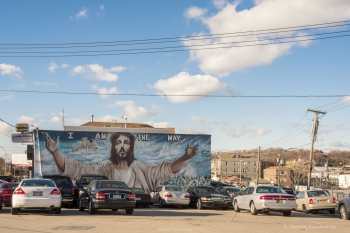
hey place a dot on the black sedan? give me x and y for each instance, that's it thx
(107, 194)
(209, 197)
(344, 208)
(142, 198)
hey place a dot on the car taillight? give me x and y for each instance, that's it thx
(18, 191)
(187, 196)
(311, 201)
(334, 200)
(73, 191)
(55, 192)
(100, 195)
(168, 195)
(132, 196)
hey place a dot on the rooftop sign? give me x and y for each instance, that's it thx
(22, 138)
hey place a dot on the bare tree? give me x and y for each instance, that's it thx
(298, 172)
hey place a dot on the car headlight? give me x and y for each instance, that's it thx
(206, 198)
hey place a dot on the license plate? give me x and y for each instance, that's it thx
(279, 201)
(37, 193)
(138, 198)
(115, 196)
(323, 201)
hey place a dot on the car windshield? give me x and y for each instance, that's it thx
(111, 184)
(9, 186)
(173, 188)
(318, 193)
(138, 190)
(270, 190)
(61, 181)
(207, 190)
(37, 183)
(89, 179)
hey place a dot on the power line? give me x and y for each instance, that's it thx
(180, 95)
(175, 50)
(7, 123)
(310, 26)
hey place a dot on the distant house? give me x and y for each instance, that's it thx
(278, 175)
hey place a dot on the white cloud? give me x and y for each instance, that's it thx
(55, 119)
(346, 100)
(201, 121)
(102, 7)
(195, 13)
(131, 110)
(7, 69)
(247, 130)
(77, 121)
(219, 4)
(52, 67)
(64, 65)
(81, 14)
(104, 92)
(6, 130)
(339, 144)
(266, 14)
(185, 84)
(95, 71)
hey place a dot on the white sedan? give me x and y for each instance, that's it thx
(36, 194)
(264, 199)
(170, 195)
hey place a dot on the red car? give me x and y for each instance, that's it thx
(6, 190)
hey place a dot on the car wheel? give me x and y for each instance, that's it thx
(287, 213)
(115, 209)
(253, 210)
(80, 206)
(235, 207)
(199, 204)
(146, 206)
(304, 209)
(344, 212)
(129, 211)
(332, 211)
(161, 203)
(14, 211)
(92, 209)
(58, 210)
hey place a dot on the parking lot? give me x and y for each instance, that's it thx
(170, 219)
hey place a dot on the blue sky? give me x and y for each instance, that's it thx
(305, 67)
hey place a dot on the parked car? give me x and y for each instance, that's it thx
(344, 208)
(84, 181)
(107, 194)
(230, 191)
(142, 198)
(36, 194)
(208, 197)
(258, 199)
(316, 200)
(170, 195)
(9, 178)
(6, 190)
(65, 184)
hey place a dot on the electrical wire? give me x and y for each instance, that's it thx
(7, 123)
(180, 95)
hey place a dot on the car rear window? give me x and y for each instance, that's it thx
(207, 190)
(111, 184)
(270, 190)
(89, 179)
(175, 188)
(318, 193)
(9, 186)
(37, 183)
(61, 181)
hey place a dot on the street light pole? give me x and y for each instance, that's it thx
(5, 159)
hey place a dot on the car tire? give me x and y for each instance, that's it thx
(14, 211)
(129, 211)
(80, 206)
(161, 203)
(92, 209)
(58, 210)
(287, 213)
(332, 211)
(253, 210)
(305, 210)
(199, 204)
(344, 212)
(115, 209)
(235, 207)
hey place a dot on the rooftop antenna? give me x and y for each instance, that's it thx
(126, 120)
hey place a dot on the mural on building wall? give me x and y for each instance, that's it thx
(138, 159)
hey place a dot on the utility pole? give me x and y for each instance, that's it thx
(279, 170)
(313, 137)
(258, 167)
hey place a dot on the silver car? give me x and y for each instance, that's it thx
(258, 199)
(170, 195)
(315, 200)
